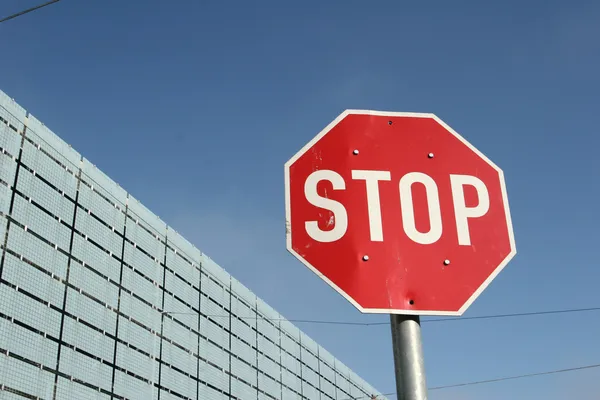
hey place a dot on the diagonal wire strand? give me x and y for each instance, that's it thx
(457, 319)
(493, 380)
(28, 10)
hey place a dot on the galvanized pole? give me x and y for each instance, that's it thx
(408, 357)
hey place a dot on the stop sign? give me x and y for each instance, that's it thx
(398, 213)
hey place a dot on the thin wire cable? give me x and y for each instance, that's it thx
(494, 380)
(28, 10)
(493, 316)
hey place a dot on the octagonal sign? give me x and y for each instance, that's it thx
(398, 213)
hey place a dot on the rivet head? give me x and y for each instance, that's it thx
(355, 152)
(365, 258)
(446, 262)
(430, 155)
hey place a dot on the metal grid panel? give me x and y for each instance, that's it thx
(327, 387)
(177, 382)
(92, 255)
(289, 394)
(95, 285)
(180, 335)
(214, 332)
(29, 311)
(243, 331)
(181, 312)
(12, 106)
(141, 338)
(179, 358)
(355, 391)
(213, 269)
(269, 367)
(309, 390)
(101, 234)
(215, 291)
(290, 329)
(182, 289)
(33, 280)
(268, 321)
(85, 368)
(145, 217)
(136, 362)
(326, 371)
(144, 238)
(3, 221)
(141, 286)
(342, 385)
(52, 169)
(243, 292)
(51, 200)
(184, 249)
(242, 309)
(309, 344)
(140, 311)
(310, 376)
(290, 345)
(208, 393)
(167, 395)
(103, 183)
(5, 195)
(10, 132)
(41, 223)
(290, 380)
(8, 169)
(39, 133)
(91, 311)
(214, 354)
(91, 199)
(67, 390)
(242, 370)
(309, 358)
(188, 274)
(132, 388)
(88, 339)
(269, 385)
(141, 262)
(40, 253)
(290, 362)
(26, 378)
(26, 343)
(214, 376)
(269, 348)
(243, 351)
(241, 390)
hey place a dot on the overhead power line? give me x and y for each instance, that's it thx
(502, 379)
(28, 10)
(356, 323)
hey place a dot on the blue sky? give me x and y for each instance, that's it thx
(194, 106)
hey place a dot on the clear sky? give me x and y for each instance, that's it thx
(194, 106)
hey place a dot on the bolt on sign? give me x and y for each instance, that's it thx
(398, 213)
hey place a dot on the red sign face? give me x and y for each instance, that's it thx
(398, 213)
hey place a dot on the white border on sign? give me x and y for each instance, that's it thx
(288, 213)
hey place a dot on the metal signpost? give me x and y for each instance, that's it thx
(400, 215)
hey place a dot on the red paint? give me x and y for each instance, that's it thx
(399, 270)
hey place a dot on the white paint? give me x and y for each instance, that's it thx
(372, 179)
(446, 262)
(355, 152)
(339, 212)
(433, 207)
(365, 258)
(412, 310)
(461, 211)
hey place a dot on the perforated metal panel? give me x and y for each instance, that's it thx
(130, 325)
